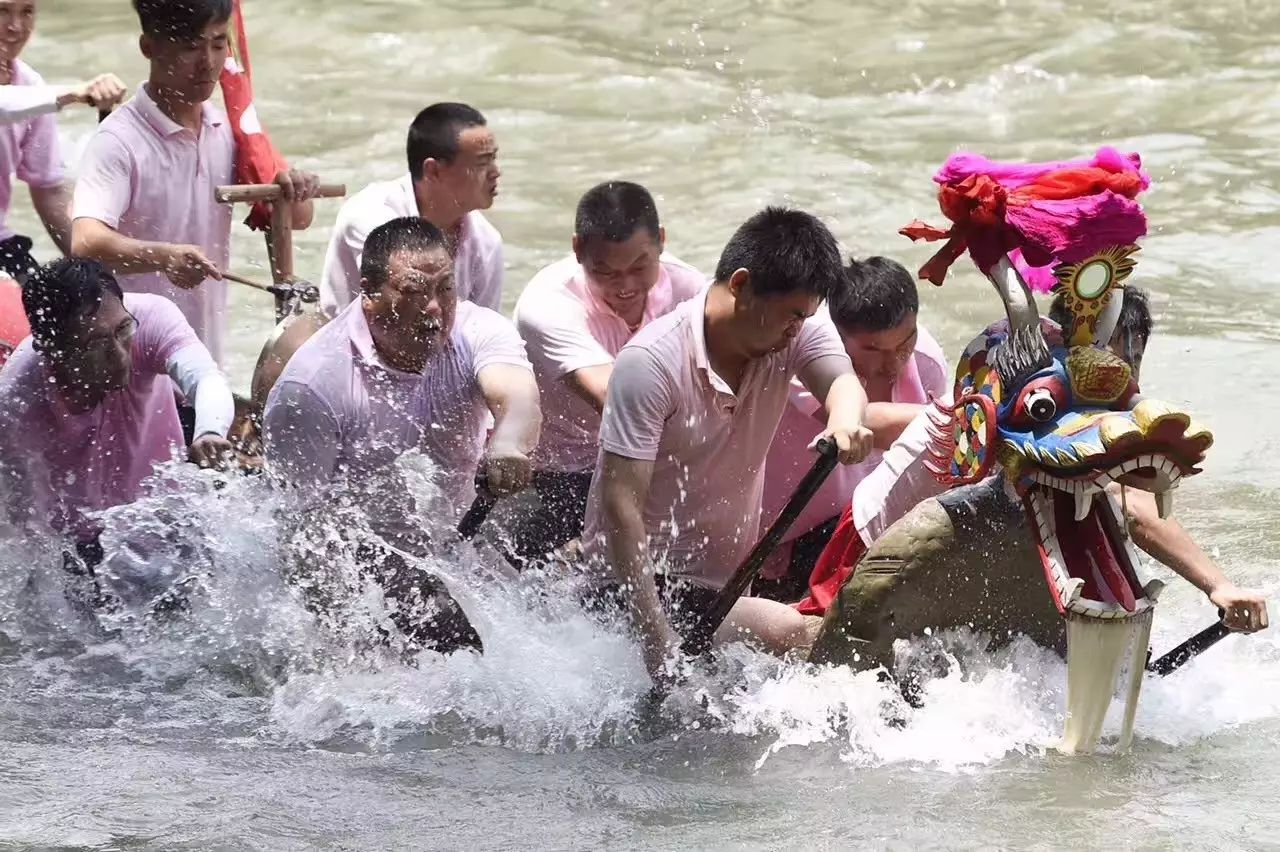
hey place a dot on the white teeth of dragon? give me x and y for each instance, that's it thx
(1164, 504)
(1084, 502)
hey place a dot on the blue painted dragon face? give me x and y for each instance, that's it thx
(1063, 418)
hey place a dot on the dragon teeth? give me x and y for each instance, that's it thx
(1164, 503)
(1084, 502)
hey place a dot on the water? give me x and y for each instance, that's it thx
(248, 727)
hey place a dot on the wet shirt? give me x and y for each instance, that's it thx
(477, 262)
(340, 411)
(566, 327)
(925, 376)
(29, 149)
(59, 465)
(666, 404)
(152, 179)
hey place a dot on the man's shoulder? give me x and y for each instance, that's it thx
(686, 280)
(25, 75)
(547, 294)
(665, 341)
(482, 230)
(21, 383)
(148, 306)
(372, 206)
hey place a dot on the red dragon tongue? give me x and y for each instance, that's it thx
(1090, 554)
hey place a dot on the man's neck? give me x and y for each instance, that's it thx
(78, 398)
(719, 332)
(390, 354)
(6, 71)
(439, 210)
(183, 112)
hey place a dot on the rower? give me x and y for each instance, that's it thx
(29, 138)
(86, 403)
(453, 175)
(692, 406)
(407, 366)
(574, 316)
(875, 310)
(144, 202)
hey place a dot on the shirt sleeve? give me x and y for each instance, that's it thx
(19, 103)
(193, 369)
(40, 164)
(340, 279)
(556, 329)
(301, 436)
(162, 331)
(637, 406)
(493, 340)
(818, 338)
(488, 286)
(104, 186)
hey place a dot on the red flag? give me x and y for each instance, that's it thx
(257, 160)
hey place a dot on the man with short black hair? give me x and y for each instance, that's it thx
(575, 316)
(86, 403)
(875, 311)
(407, 366)
(692, 405)
(144, 201)
(453, 175)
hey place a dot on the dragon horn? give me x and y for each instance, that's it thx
(1016, 296)
(1109, 318)
(1025, 352)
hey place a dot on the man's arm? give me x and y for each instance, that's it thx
(624, 487)
(1166, 541)
(193, 370)
(185, 265)
(830, 379)
(299, 188)
(590, 384)
(512, 395)
(301, 437)
(887, 420)
(53, 206)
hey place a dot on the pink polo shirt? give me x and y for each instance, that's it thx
(566, 327)
(708, 444)
(338, 409)
(151, 179)
(65, 465)
(924, 377)
(28, 149)
(477, 263)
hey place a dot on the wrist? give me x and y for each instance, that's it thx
(68, 98)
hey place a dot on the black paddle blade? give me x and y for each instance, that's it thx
(1188, 650)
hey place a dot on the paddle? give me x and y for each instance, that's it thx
(304, 290)
(699, 639)
(480, 508)
(1188, 650)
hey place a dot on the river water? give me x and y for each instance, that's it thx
(245, 726)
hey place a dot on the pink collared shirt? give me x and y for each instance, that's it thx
(151, 179)
(708, 444)
(64, 465)
(28, 149)
(339, 410)
(924, 377)
(477, 263)
(566, 327)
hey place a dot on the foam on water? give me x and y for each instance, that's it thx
(552, 678)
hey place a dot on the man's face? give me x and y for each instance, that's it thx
(1130, 348)
(622, 274)
(98, 357)
(189, 67)
(415, 307)
(472, 178)
(17, 20)
(881, 355)
(769, 322)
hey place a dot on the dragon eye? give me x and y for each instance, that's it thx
(1040, 405)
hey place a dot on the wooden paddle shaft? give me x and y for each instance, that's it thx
(249, 282)
(699, 639)
(252, 193)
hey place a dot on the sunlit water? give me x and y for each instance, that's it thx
(249, 725)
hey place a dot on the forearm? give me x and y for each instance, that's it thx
(201, 382)
(302, 214)
(887, 420)
(628, 553)
(590, 384)
(846, 403)
(1166, 541)
(20, 103)
(517, 417)
(53, 206)
(124, 255)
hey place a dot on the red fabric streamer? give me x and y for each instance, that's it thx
(257, 160)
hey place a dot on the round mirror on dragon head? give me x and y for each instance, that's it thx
(1026, 540)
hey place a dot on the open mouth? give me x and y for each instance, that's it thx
(1088, 559)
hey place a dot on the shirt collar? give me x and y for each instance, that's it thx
(163, 124)
(698, 329)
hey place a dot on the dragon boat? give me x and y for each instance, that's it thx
(1026, 540)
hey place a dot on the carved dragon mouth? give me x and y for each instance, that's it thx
(1088, 559)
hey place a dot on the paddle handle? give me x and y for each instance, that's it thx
(699, 639)
(479, 511)
(254, 192)
(1188, 650)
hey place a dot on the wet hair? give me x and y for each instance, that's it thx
(434, 134)
(61, 296)
(408, 233)
(786, 251)
(876, 294)
(614, 210)
(1135, 313)
(183, 19)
